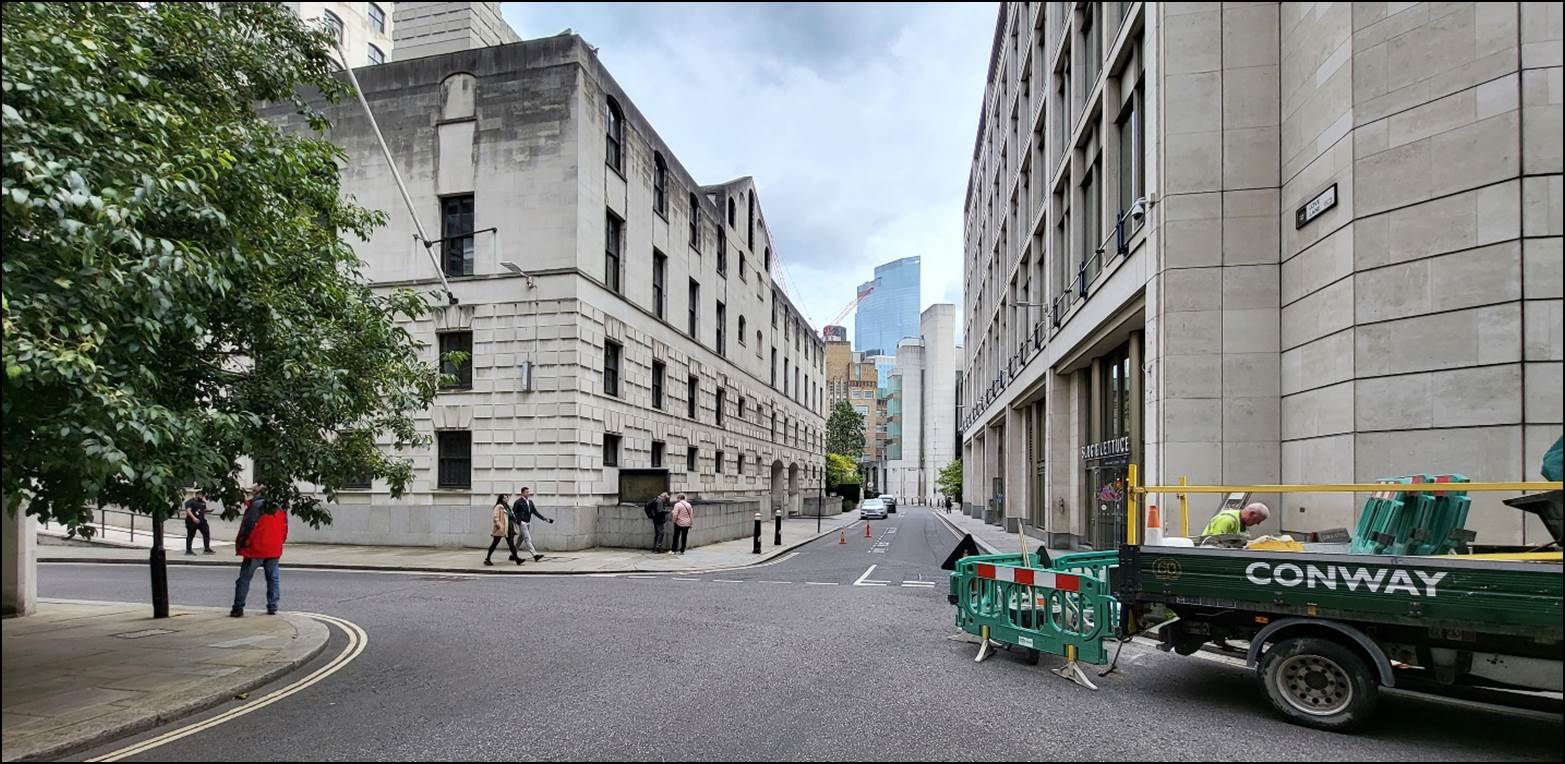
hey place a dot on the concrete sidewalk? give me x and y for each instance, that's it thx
(80, 674)
(728, 554)
(992, 538)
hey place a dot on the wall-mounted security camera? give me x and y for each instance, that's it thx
(1138, 209)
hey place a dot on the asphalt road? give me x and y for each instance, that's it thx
(789, 660)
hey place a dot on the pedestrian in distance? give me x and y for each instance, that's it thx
(684, 517)
(500, 528)
(948, 505)
(657, 512)
(524, 510)
(195, 520)
(260, 543)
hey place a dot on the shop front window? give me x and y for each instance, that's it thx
(1106, 459)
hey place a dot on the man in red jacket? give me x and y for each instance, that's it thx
(260, 543)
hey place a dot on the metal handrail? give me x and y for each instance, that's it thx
(103, 523)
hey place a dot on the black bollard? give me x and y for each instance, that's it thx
(158, 562)
(777, 538)
(757, 548)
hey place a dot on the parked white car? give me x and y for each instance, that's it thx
(872, 509)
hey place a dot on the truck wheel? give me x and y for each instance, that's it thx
(1319, 683)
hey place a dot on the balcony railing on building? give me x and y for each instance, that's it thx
(1078, 290)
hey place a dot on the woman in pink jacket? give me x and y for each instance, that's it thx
(684, 517)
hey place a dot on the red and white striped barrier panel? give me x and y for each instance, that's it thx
(1064, 582)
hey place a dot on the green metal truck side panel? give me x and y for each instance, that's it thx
(1497, 597)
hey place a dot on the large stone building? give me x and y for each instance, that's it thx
(851, 379)
(428, 29)
(922, 399)
(621, 316)
(1257, 243)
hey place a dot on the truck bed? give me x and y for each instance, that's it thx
(1521, 599)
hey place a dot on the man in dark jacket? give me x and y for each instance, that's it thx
(195, 520)
(260, 543)
(522, 512)
(658, 511)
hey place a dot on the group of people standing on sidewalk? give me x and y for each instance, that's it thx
(660, 512)
(264, 530)
(507, 518)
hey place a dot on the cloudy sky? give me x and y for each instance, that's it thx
(856, 120)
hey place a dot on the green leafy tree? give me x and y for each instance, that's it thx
(841, 469)
(950, 480)
(177, 291)
(845, 431)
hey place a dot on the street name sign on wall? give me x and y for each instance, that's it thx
(1312, 209)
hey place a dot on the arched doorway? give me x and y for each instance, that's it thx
(777, 487)
(795, 498)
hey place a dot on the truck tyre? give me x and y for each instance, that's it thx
(1319, 683)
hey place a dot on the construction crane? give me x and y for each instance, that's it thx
(841, 314)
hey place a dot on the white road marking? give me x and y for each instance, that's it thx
(882, 543)
(726, 581)
(820, 583)
(357, 640)
(920, 584)
(865, 581)
(685, 579)
(774, 582)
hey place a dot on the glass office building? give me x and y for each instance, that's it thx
(890, 311)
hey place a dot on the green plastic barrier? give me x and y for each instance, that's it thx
(1046, 609)
(1413, 522)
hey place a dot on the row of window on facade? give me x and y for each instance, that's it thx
(454, 459)
(459, 376)
(457, 235)
(1004, 316)
(613, 265)
(614, 157)
(612, 355)
(377, 19)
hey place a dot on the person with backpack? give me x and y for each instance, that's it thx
(684, 517)
(500, 528)
(523, 512)
(657, 512)
(195, 520)
(260, 542)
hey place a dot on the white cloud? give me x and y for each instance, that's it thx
(856, 120)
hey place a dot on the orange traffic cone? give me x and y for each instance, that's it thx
(866, 530)
(1154, 526)
(842, 536)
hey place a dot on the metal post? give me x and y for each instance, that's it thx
(777, 535)
(757, 547)
(1184, 511)
(1130, 504)
(159, 564)
(821, 507)
(396, 175)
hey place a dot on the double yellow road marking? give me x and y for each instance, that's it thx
(357, 640)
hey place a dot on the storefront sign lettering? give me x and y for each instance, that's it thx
(1115, 447)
